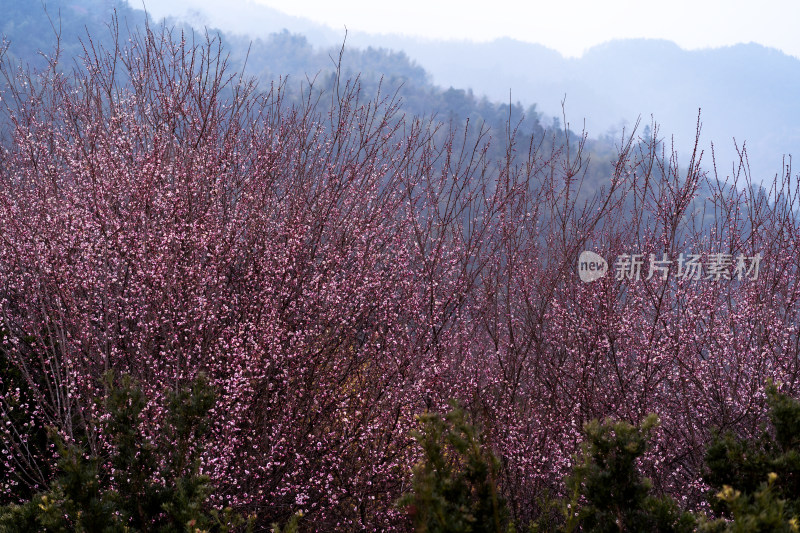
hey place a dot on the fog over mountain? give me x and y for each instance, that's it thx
(746, 92)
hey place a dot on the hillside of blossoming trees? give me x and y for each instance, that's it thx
(215, 297)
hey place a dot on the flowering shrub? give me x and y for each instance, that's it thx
(335, 267)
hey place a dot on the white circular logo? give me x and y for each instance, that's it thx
(591, 266)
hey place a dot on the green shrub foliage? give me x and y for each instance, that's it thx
(608, 493)
(141, 485)
(756, 482)
(454, 488)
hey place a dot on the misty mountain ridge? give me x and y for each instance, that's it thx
(746, 92)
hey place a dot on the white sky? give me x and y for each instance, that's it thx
(569, 26)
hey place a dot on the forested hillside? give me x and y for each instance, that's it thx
(746, 91)
(291, 59)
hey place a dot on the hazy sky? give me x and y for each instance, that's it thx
(569, 27)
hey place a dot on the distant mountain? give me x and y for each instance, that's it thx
(747, 92)
(242, 17)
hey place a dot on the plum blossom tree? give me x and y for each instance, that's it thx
(335, 268)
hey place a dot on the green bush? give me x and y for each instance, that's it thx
(761, 511)
(454, 488)
(608, 494)
(756, 483)
(85, 496)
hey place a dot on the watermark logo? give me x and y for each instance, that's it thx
(690, 267)
(591, 266)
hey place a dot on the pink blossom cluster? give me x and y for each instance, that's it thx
(337, 268)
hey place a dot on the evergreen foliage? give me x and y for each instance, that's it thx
(757, 481)
(141, 485)
(454, 486)
(609, 493)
